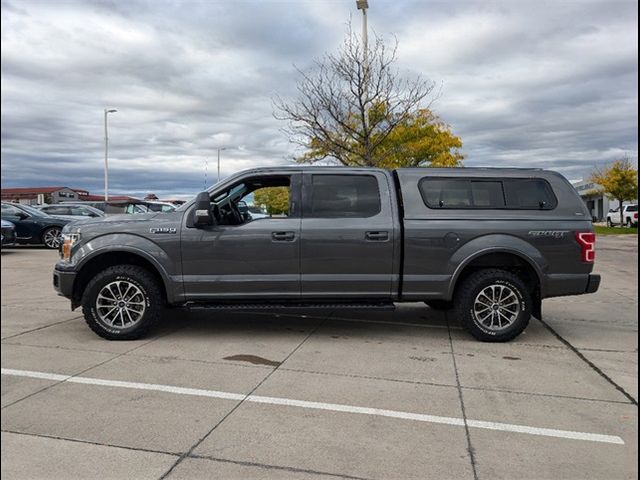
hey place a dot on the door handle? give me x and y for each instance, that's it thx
(377, 236)
(283, 236)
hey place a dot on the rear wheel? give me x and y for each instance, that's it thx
(52, 237)
(629, 223)
(493, 305)
(122, 302)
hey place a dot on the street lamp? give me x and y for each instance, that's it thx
(363, 5)
(219, 149)
(106, 154)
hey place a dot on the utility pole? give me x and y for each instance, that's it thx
(106, 154)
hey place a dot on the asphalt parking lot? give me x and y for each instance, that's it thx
(324, 394)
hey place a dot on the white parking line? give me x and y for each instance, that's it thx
(333, 407)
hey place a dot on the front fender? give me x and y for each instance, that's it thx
(495, 243)
(128, 243)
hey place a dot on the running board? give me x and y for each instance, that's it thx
(292, 306)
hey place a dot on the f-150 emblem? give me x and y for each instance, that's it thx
(163, 230)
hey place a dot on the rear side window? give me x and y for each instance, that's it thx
(632, 208)
(465, 193)
(529, 194)
(344, 196)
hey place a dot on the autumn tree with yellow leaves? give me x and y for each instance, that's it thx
(358, 110)
(618, 181)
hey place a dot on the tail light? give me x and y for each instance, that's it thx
(635, 215)
(587, 241)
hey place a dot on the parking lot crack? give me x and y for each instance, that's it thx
(87, 442)
(279, 467)
(592, 365)
(462, 407)
(77, 374)
(189, 453)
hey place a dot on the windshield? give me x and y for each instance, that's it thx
(32, 211)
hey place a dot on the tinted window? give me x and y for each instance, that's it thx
(487, 194)
(463, 193)
(632, 208)
(83, 211)
(10, 210)
(340, 196)
(56, 210)
(529, 194)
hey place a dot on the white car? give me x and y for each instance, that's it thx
(629, 216)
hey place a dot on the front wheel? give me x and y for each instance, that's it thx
(52, 237)
(609, 223)
(122, 302)
(493, 305)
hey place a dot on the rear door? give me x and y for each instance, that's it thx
(348, 235)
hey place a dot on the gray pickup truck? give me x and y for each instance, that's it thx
(486, 244)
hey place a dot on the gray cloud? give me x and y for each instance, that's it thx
(527, 83)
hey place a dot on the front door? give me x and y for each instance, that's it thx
(348, 236)
(253, 251)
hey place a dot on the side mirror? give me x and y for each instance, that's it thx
(22, 215)
(611, 210)
(202, 216)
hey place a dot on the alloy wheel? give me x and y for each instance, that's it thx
(120, 304)
(496, 307)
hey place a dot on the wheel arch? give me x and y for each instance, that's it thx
(101, 260)
(506, 258)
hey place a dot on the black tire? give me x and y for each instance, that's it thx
(469, 290)
(148, 288)
(50, 232)
(440, 305)
(609, 223)
(629, 223)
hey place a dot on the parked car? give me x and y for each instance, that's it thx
(34, 226)
(116, 207)
(629, 216)
(71, 211)
(488, 244)
(8, 233)
(153, 206)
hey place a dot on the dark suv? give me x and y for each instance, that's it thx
(34, 226)
(487, 244)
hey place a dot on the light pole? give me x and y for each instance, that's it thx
(106, 154)
(219, 149)
(363, 5)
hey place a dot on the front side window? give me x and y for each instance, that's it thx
(344, 196)
(256, 198)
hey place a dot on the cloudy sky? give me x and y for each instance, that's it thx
(550, 84)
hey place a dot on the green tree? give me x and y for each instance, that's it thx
(356, 108)
(618, 181)
(276, 199)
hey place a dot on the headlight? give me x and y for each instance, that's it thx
(68, 241)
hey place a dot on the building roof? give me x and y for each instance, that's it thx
(37, 190)
(112, 198)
